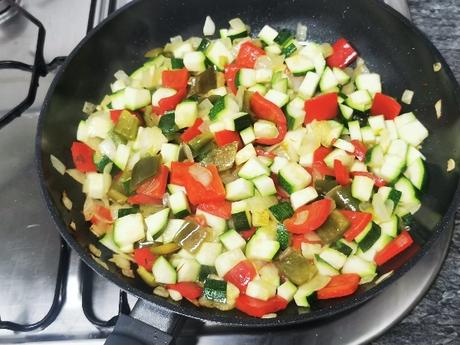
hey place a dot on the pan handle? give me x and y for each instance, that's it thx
(145, 325)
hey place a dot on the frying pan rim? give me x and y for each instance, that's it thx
(199, 313)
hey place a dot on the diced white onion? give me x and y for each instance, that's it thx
(95, 250)
(176, 39)
(120, 261)
(263, 62)
(57, 164)
(89, 108)
(450, 165)
(326, 49)
(407, 96)
(121, 75)
(161, 291)
(384, 277)
(437, 66)
(438, 108)
(201, 174)
(66, 201)
(301, 32)
(209, 27)
(77, 175)
(175, 295)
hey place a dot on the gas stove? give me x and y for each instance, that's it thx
(47, 294)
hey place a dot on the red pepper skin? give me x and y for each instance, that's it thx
(378, 181)
(115, 115)
(145, 258)
(175, 79)
(197, 218)
(360, 150)
(142, 199)
(266, 110)
(279, 190)
(169, 103)
(358, 222)
(248, 55)
(263, 153)
(241, 275)
(187, 289)
(230, 76)
(386, 106)
(323, 107)
(340, 286)
(258, 308)
(226, 137)
(192, 131)
(342, 176)
(297, 240)
(199, 194)
(222, 209)
(155, 187)
(247, 234)
(82, 156)
(309, 217)
(179, 171)
(396, 246)
(343, 54)
(321, 153)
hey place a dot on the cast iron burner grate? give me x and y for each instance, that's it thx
(9, 8)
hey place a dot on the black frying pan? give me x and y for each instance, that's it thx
(388, 42)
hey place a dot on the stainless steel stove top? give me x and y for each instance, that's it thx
(30, 245)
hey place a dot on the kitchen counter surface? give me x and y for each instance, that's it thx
(436, 319)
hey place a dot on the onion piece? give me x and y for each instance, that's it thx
(128, 273)
(175, 295)
(407, 96)
(161, 291)
(450, 165)
(437, 66)
(201, 174)
(384, 277)
(120, 261)
(301, 32)
(94, 250)
(66, 201)
(76, 175)
(73, 226)
(89, 108)
(438, 108)
(57, 164)
(263, 62)
(301, 217)
(121, 75)
(100, 262)
(209, 27)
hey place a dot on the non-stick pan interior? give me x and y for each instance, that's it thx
(388, 43)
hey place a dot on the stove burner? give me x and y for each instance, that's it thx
(7, 11)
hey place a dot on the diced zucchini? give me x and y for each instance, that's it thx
(282, 211)
(268, 34)
(172, 228)
(308, 87)
(368, 236)
(278, 98)
(355, 264)
(299, 65)
(328, 80)
(195, 61)
(375, 157)
(303, 197)
(218, 54)
(344, 145)
(245, 77)
(215, 290)
(247, 135)
(185, 114)
(260, 289)
(369, 82)
(287, 290)
(309, 250)
(264, 185)
(178, 203)
(227, 260)
(292, 177)
(295, 113)
(253, 168)
(341, 76)
(259, 248)
(208, 253)
(264, 75)
(413, 132)
(163, 271)
(265, 129)
(355, 130)
(341, 155)
(305, 291)
(189, 271)
(377, 123)
(241, 121)
(368, 135)
(169, 153)
(246, 153)
(232, 240)
(333, 257)
(359, 100)
(241, 220)
(128, 229)
(362, 187)
(346, 111)
(391, 227)
(278, 164)
(156, 222)
(239, 189)
(391, 168)
(415, 172)
(217, 224)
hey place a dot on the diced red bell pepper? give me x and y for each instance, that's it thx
(248, 55)
(342, 176)
(386, 106)
(343, 54)
(199, 193)
(360, 150)
(197, 218)
(297, 240)
(115, 115)
(82, 156)
(396, 246)
(340, 286)
(226, 137)
(309, 217)
(266, 110)
(258, 308)
(358, 222)
(320, 168)
(241, 274)
(321, 153)
(101, 214)
(279, 190)
(378, 181)
(169, 103)
(323, 107)
(175, 79)
(187, 289)
(247, 234)
(179, 171)
(144, 257)
(230, 77)
(141, 199)
(222, 209)
(263, 153)
(192, 131)
(155, 187)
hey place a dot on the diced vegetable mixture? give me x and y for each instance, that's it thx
(250, 171)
